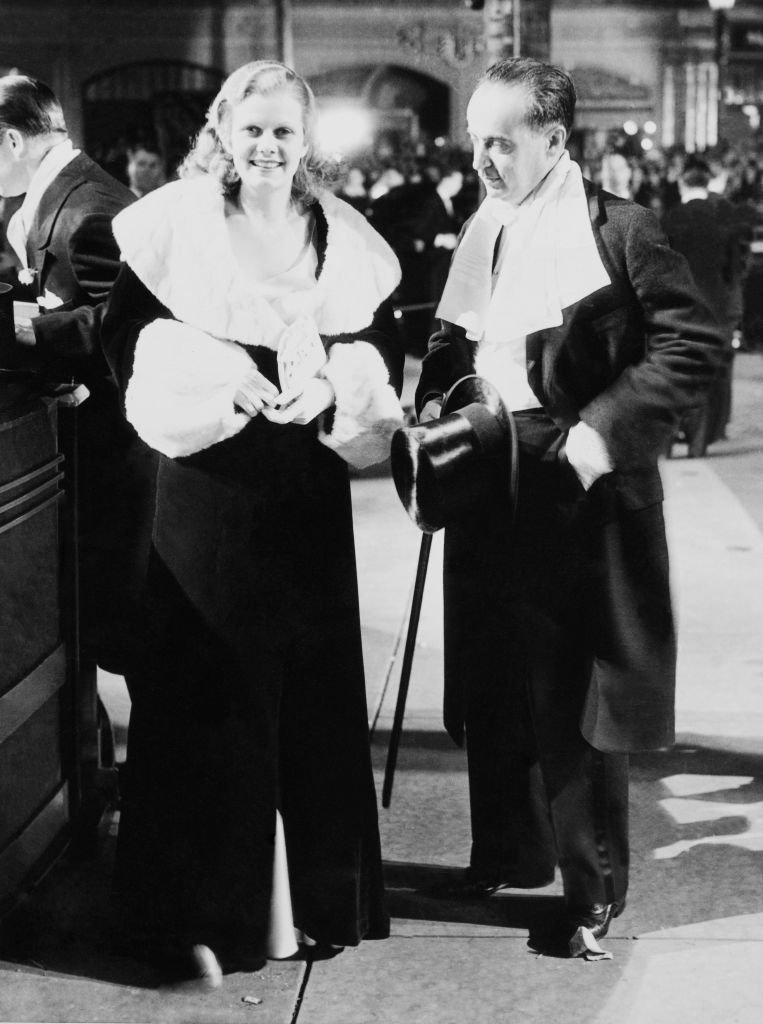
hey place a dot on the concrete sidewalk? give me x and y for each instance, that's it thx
(688, 948)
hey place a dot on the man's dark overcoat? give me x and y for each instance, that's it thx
(626, 360)
(75, 259)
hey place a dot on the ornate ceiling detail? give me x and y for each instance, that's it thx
(456, 47)
(595, 85)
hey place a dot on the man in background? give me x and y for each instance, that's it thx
(705, 229)
(145, 168)
(421, 221)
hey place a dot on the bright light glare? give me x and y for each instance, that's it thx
(753, 115)
(650, 127)
(647, 144)
(344, 129)
(630, 128)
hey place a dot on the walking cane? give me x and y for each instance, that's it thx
(491, 438)
(405, 672)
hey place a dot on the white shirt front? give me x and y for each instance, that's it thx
(503, 361)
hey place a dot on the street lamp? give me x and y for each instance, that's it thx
(719, 9)
(284, 31)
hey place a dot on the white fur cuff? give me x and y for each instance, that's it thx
(367, 409)
(180, 396)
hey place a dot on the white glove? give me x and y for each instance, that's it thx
(587, 454)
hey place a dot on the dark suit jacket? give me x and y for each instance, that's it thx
(626, 360)
(76, 258)
(708, 233)
(410, 217)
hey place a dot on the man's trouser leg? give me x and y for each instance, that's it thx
(511, 830)
(587, 790)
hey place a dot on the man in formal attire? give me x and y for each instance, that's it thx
(443, 220)
(559, 640)
(704, 227)
(62, 237)
(421, 223)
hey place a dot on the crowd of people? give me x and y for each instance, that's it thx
(709, 204)
(236, 329)
(650, 179)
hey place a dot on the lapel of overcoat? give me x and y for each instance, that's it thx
(50, 206)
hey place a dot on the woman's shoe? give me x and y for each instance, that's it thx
(207, 967)
(195, 969)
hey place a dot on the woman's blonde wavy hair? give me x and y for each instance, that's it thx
(210, 153)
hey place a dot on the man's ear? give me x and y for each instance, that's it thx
(557, 140)
(16, 140)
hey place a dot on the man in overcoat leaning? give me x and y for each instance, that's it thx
(69, 260)
(559, 638)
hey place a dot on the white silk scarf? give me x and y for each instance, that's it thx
(549, 261)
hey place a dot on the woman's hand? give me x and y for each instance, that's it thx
(302, 406)
(255, 393)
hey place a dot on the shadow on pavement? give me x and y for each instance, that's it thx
(697, 836)
(687, 758)
(69, 924)
(417, 739)
(409, 885)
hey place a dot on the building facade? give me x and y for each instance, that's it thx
(126, 67)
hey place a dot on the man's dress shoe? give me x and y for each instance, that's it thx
(577, 932)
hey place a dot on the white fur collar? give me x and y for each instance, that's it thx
(176, 241)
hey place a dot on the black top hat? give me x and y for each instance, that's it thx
(445, 466)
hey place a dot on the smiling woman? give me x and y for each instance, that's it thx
(267, 142)
(214, 150)
(253, 339)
